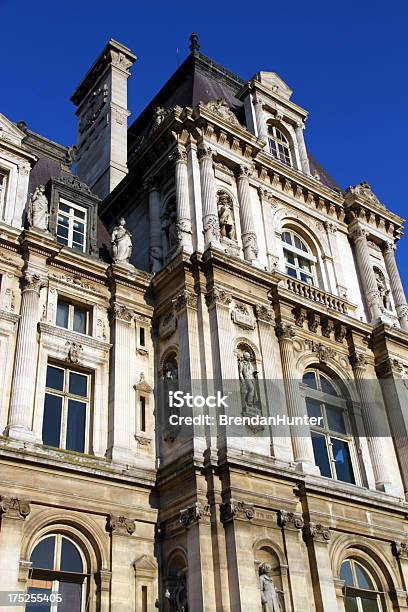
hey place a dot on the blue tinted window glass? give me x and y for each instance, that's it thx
(42, 556)
(71, 597)
(51, 429)
(55, 378)
(70, 558)
(327, 387)
(363, 579)
(320, 454)
(341, 455)
(76, 426)
(43, 607)
(309, 379)
(335, 419)
(79, 320)
(62, 314)
(78, 384)
(346, 573)
(313, 409)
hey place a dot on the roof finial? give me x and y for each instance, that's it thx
(194, 43)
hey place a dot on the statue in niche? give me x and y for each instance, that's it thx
(269, 592)
(226, 216)
(38, 209)
(170, 386)
(247, 377)
(382, 289)
(169, 226)
(121, 241)
(177, 596)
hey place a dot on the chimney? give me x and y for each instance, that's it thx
(101, 101)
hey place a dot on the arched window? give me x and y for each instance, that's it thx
(331, 438)
(299, 261)
(58, 568)
(360, 590)
(279, 145)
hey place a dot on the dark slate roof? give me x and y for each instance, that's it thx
(325, 178)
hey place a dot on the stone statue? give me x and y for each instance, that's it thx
(269, 593)
(121, 243)
(177, 596)
(156, 258)
(246, 376)
(382, 290)
(169, 226)
(38, 209)
(226, 217)
(387, 300)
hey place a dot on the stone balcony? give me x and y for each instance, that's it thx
(309, 293)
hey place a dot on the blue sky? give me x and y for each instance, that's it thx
(345, 60)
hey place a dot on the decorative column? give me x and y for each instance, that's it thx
(211, 226)
(395, 283)
(13, 511)
(304, 160)
(292, 524)
(155, 248)
(317, 537)
(400, 551)
(301, 438)
(249, 241)
(123, 548)
(121, 405)
(179, 157)
(331, 232)
(260, 118)
(25, 363)
(373, 421)
(359, 236)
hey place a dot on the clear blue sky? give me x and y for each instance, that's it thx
(345, 60)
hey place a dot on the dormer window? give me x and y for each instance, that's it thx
(279, 145)
(71, 225)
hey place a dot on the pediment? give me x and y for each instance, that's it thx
(145, 563)
(272, 81)
(10, 132)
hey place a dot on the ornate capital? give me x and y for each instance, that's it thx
(33, 282)
(265, 314)
(13, 507)
(316, 532)
(285, 331)
(358, 360)
(120, 525)
(290, 520)
(388, 247)
(150, 184)
(358, 233)
(243, 171)
(74, 351)
(120, 60)
(178, 156)
(300, 315)
(322, 351)
(183, 300)
(194, 513)
(236, 510)
(330, 227)
(205, 153)
(218, 296)
(122, 312)
(400, 549)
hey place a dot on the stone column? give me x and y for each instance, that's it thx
(121, 403)
(249, 240)
(155, 247)
(25, 363)
(400, 551)
(359, 236)
(292, 524)
(211, 226)
(122, 557)
(304, 160)
(373, 421)
(301, 438)
(317, 537)
(179, 157)
(260, 119)
(396, 284)
(331, 232)
(13, 511)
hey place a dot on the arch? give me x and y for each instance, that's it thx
(177, 558)
(262, 543)
(302, 224)
(168, 352)
(85, 532)
(281, 143)
(333, 370)
(241, 340)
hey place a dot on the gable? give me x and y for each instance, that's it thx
(9, 132)
(272, 81)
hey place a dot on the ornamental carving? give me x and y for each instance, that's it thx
(364, 192)
(265, 314)
(96, 103)
(218, 296)
(340, 332)
(244, 171)
(184, 299)
(168, 325)
(327, 327)
(358, 233)
(241, 317)
(74, 351)
(76, 280)
(250, 245)
(12, 507)
(211, 228)
(316, 532)
(226, 221)
(120, 60)
(358, 360)
(290, 520)
(285, 331)
(400, 549)
(121, 312)
(73, 181)
(178, 156)
(323, 352)
(388, 247)
(220, 107)
(120, 525)
(313, 321)
(205, 153)
(194, 513)
(300, 315)
(236, 510)
(160, 115)
(33, 282)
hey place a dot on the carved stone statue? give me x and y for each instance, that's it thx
(177, 596)
(121, 242)
(247, 377)
(169, 226)
(226, 217)
(38, 209)
(387, 300)
(382, 290)
(269, 593)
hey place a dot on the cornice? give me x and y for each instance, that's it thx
(255, 86)
(82, 339)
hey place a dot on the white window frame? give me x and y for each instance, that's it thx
(71, 309)
(299, 253)
(3, 190)
(276, 135)
(71, 219)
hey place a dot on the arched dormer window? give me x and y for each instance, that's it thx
(279, 145)
(332, 439)
(299, 261)
(360, 590)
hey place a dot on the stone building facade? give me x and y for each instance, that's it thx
(240, 261)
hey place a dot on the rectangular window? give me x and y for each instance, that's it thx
(71, 225)
(142, 414)
(73, 317)
(66, 409)
(142, 336)
(144, 598)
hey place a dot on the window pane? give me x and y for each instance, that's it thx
(289, 257)
(79, 324)
(326, 386)
(369, 605)
(43, 607)
(309, 379)
(79, 213)
(304, 264)
(313, 408)
(55, 378)
(62, 314)
(64, 207)
(346, 573)
(335, 419)
(363, 579)
(42, 556)
(62, 232)
(286, 237)
(51, 429)
(62, 240)
(341, 455)
(76, 426)
(306, 278)
(291, 272)
(78, 238)
(78, 226)
(351, 604)
(142, 336)
(78, 384)
(71, 597)
(63, 220)
(320, 454)
(70, 558)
